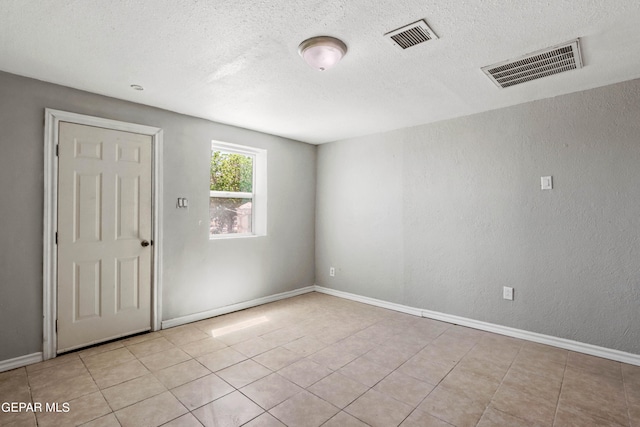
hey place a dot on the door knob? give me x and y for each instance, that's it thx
(144, 243)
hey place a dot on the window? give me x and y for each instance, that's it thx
(237, 191)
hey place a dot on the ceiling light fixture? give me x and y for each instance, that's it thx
(322, 52)
(137, 87)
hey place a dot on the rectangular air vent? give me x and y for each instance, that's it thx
(411, 35)
(536, 65)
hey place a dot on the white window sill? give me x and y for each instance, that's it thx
(235, 236)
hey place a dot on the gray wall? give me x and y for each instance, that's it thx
(442, 216)
(199, 274)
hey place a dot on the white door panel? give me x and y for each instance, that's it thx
(104, 213)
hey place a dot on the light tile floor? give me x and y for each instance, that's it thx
(318, 360)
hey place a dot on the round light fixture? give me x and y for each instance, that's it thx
(137, 87)
(322, 52)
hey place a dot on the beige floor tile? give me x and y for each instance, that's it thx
(333, 333)
(634, 416)
(59, 360)
(65, 390)
(536, 385)
(18, 419)
(540, 384)
(100, 349)
(378, 410)
(422, 368)
(632, 391)
(270, 391)
(596, 365)
(305, 346)
(81, 410)
(181, 373)
(16, 394)
(496, 352)
(221, 359)
(443, 353)
(108, 358)
(542, 351)
(186, 420)
(202, 347)
(164, 359)
(573, 417)
(152, 346)
(234, 409)
(184, 334)
(470, 385)
(13, 382)
(243, 373)
(264, 420)
(422, 419)
(333, 357)
(151, 412)
(304, 410)
(202, 391)
(631, 374)
(521, 404)
(355, 345)
(365, 372)
(342, 419)
(136, 339)
(578, 378)
(485, 367)
(118, 374)
(277, 358)
(338, 389)
(404, 388)
(305, 372)
(538, 365)
(495, 418)
(595, 403)
(390, 357)
(108, 420)
(283, 336)
(56, 373)
(378, 333)
(19, 373)
(133, 391)
(237, 336)
(452, 408)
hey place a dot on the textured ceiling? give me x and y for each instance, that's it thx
(236, 62)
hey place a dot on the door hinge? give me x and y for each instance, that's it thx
(57, 149)
(56, 237)
(56, 325)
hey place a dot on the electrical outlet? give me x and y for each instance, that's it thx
(507, 293)
(332, 271)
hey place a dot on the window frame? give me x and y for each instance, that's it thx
(259, 186)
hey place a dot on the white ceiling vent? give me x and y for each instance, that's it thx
(543, 63)
(411, 35)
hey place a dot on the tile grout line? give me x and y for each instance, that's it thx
(502, 382)
(564, 372)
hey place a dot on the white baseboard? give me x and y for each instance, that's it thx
(235, 307)
(371, 301)
(593, 350)
(19, 362)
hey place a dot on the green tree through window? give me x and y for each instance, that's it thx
(231, 187)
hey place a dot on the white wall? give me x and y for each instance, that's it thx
(199, 274)
(442, 216)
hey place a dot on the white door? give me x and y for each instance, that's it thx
(104, 231)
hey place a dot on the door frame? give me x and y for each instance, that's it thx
(50, 254)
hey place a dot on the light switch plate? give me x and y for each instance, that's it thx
(546, 183)
(507, 293)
